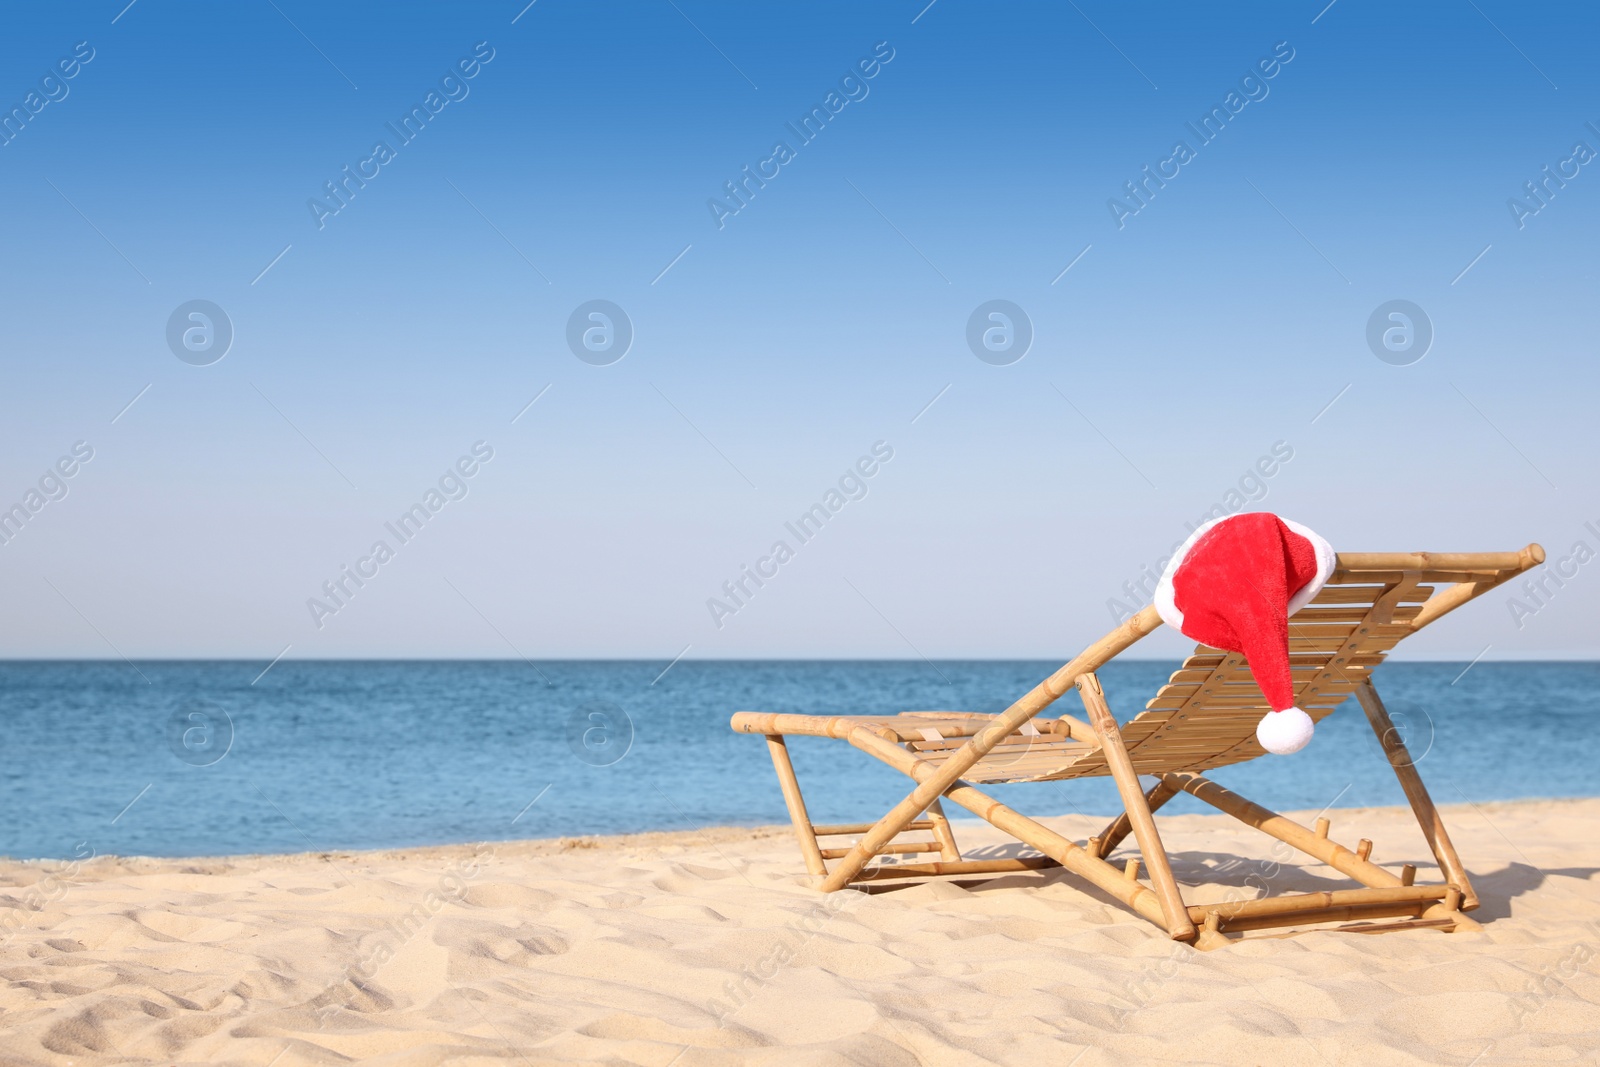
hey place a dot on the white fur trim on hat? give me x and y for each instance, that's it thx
(1327, 560)
(1165, 599)
(1284, 732)
(1166, 605)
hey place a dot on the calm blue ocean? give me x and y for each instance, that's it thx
(179, 758)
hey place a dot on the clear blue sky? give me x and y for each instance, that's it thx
(374, 346)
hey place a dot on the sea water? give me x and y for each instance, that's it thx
(210, 758)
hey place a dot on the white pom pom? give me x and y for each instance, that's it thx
(1283, 732)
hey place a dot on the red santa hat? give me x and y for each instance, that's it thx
(1233, 585)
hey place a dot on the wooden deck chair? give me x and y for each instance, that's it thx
(1204, 717)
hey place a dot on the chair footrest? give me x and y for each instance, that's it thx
(1342, 904)
(899, 848)
(845, 829)
(924, 870)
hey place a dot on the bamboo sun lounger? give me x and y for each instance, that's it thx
(1204, 717)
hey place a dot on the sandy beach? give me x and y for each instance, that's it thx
(708, 948)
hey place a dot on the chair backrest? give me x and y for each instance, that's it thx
(1206, 714)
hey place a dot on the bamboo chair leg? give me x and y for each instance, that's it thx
(1179, 925)
(1314, 843)
(1450, 908)
(1068, 854)
(1405, 769)
(1119, 828)
(796, 805)
(959, 762)
(1291, 833)
(942, 833)
(1211, 936)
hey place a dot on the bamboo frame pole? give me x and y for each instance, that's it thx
(1179, 925)
(1343, 913)
(943, 833)
(1286, 830)
(1405, 769)
(1039, 698)
(760, 722)
(941, 867)
(893, 848)
(1068, 854)
(796, 804)
(905, 727)
(1074, 728)
(1210, 936)
(1448, 600)
(1108, 839)
(1306, 903)
(1437, 561)
(1316, 846)
(850, 829)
